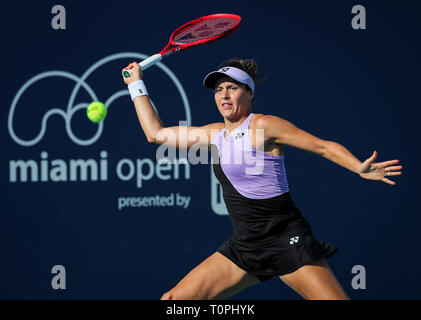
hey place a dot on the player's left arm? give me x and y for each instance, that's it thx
(284, 132)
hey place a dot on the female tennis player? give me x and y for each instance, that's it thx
(271, 237)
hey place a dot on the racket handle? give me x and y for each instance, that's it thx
(145, 64)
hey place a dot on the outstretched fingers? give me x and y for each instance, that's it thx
(393, 173)
(392, 183)
(387, 163)
(391, 170)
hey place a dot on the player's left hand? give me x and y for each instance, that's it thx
(380, 170)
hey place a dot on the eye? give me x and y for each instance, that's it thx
(234, 88)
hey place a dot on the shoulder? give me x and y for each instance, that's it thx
(266, 121)
(273, 126)
(212, 129)
(216, 126)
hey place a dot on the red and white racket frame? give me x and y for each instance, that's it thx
(174, 47)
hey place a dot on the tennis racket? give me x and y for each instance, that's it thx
(194, 33)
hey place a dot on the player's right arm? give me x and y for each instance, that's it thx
(178, 136)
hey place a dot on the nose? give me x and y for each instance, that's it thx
(225, 94)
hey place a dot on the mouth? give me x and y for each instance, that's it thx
(226, 106)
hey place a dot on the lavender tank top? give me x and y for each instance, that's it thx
(253, 173)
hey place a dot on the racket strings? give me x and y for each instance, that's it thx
(204, 29)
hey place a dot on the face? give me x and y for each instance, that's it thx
(232, 98)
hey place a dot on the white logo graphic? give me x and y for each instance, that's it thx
(294, 240)
(359, 281)
(71, 109)
(62, 170)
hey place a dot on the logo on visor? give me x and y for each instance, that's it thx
(225, 69)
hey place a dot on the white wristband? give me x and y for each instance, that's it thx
(137, 89)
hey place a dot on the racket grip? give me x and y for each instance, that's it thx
(145, 64)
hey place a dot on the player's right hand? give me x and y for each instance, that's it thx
(135, 75)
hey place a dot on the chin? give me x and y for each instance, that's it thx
(231, 110)
(227, 113)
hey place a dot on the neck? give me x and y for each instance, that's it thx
(235, 122)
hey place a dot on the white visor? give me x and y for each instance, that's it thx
(232, 72)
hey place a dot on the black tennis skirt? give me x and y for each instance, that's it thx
(271, 236)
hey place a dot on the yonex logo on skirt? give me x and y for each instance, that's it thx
(294, 240)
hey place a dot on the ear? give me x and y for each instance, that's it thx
(251, 95)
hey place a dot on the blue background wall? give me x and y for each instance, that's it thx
(356, 87)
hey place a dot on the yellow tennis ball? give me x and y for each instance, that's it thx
(96, 111)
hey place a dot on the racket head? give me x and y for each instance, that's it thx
(202, 30)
